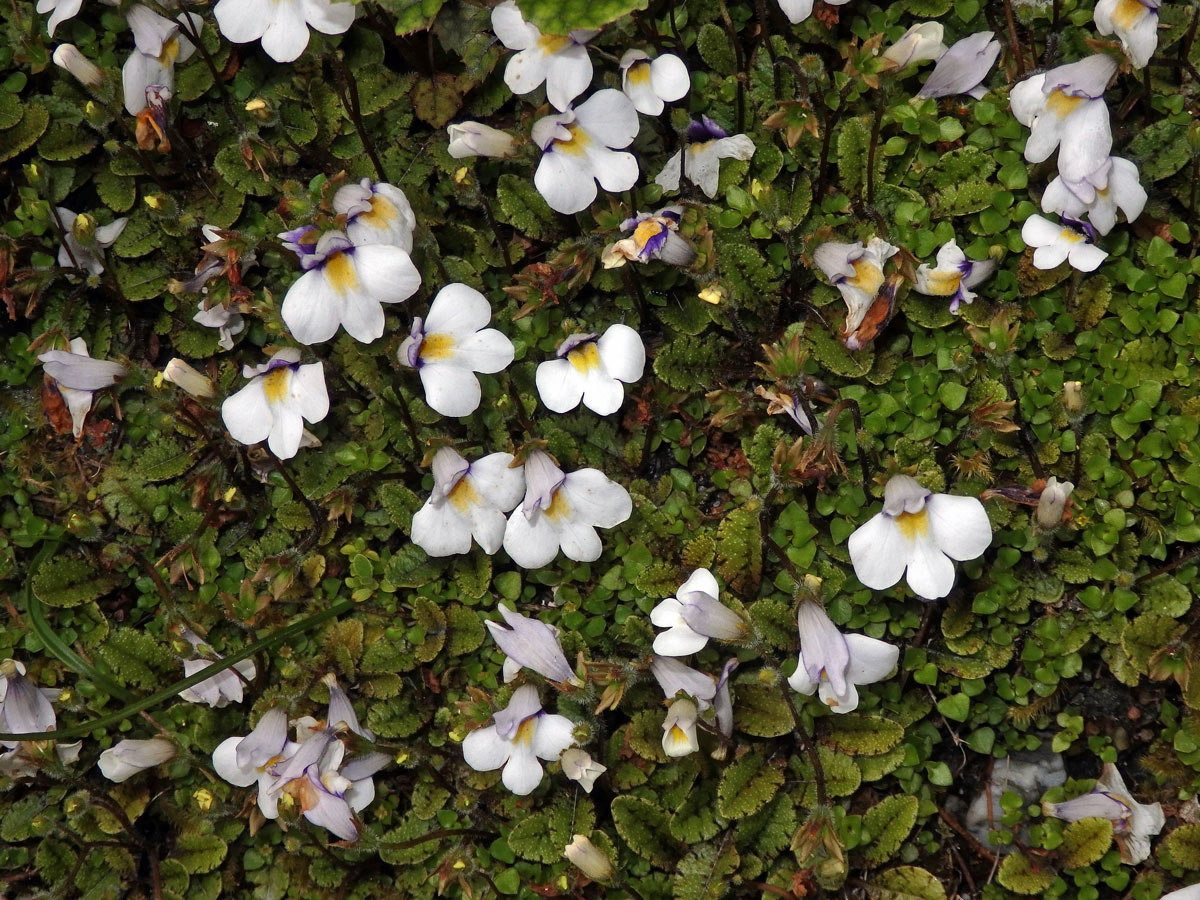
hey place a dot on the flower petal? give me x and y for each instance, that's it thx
(878, 552)
(960, 525)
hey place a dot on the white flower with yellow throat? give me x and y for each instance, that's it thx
(347, 285)
(274, 406)
(592, 370)
(376, 213)
(920, 532)
(469, 501)
(520, 735)
(1135, 22)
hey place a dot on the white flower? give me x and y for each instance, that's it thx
(1053, 503)
(346, 285)
(578, 765)
(282, 25)
(533, 645)
(722, 703)
(60, 11)
(450, 345)
(273, 407)
(561, 61)
(589, 859)
(962, 68)
(582, 146)
(693, 616)
(1073, 242)
(1066, 106)
(1135, 22)
(922, 532)
(25, 709)
(159, 46)
(1133, 823)
(469, 500)
(563, 511)
(78, 376)
(218, 690)
(799, 10)
(954, 275)
(708, 144)
(921, 43)
(193, 382)
(84, 242)
(476, 139)
(228, 322)
(521, 733)
(1098, 195)
(679, 729)
(649, 82)
(592, 371)
(673, 677)
(653, 237)
(376, 213)
(783, 403)
(832, 664)
(126, 759)
(67, 56)
(857, 273)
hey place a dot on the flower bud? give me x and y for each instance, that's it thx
(129, 757)
(67, 56)
(477, 139)
(180, 373)
(1073, 400)
(1053, 503)
(589, 859)
(578, 765)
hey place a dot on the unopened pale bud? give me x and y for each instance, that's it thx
(129, 757)
(1053, 503)
(181, 374)
(589, 859)
(1073, 400)
(67, 56)
(477, 139)
(578, 765)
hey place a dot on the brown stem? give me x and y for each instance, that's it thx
(1185, 557)
(871, 155)
(740, 59)
(314, 511)
(1014, 45)
(347, 90)
(1023, 427)
(814, 759)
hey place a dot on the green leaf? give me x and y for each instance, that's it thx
(1022, 875)
(713, 45)
(118, 192)
(564, 16)
(1146, 635)
(1183, 846)
(522, 207)
(466, 630)
(21, 137)
(889, 822)
(645, 827)
(952, 394)
(747, 785)
(66, 582)
(199, 852)
(842, 775)
(868, 735)
(541, 836)
(905, 883)
(63, 142)
(474, 575)
(705, 873)
(1085, 841)
(1160, 149)
(141, 281)
(137, 657)
(696, 819)
(853, 146)
(10, 110)
(412, 15)
(739, 549)
(761, 710)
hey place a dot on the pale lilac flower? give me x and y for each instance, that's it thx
(581, 146)
(346, 285)
(281, 25)
(679, 729)
(87, 73)
(591, 371)
(476, 139)
(700, 162)
(228, 322)
(533, 645)
(693, 616)
(1133, 823)
(26, 709)
(1098, 195)
(722, 703)
(281, 396)
(921, 43)
(922, 532)
(218, 690)
(60, 11)
(1065, 106)
(1053, 503)
(158, 47)
(673, 677)
(1072, 242)
(962, 68)
(954, 275)
(833, 665)
(521, 734)
(376, 213)
(450, 345)
(1135, 22)
(78, 377)
(124, 760)
(578, 765)
(563, 511)
(84, 242)
(648, 82)
(469, 500)
(561, 61)
(654, 237)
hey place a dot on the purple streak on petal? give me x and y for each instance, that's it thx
(705, 130)
(572, 342)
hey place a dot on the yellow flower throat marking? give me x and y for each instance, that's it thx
(913, 524)
(275, 384)
(340, 272)
(585, 358)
